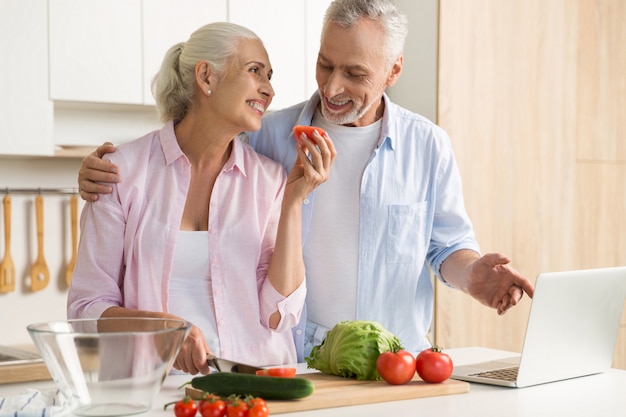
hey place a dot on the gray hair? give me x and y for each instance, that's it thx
(346, 13)
(173, 86)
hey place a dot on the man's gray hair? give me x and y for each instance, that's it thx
(346, 13)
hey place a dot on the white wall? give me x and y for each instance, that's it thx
(417, 87)
(22, 307)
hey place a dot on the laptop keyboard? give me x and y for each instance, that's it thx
(505, 374)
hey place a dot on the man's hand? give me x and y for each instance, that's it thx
(93, 170)
(495, 283)
(489, 279)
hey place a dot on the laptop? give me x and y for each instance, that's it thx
(571, 332)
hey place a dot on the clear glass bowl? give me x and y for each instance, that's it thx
(109, 366)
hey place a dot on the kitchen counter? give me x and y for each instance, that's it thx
(595, 395)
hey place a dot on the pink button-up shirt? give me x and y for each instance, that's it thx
(127, 243)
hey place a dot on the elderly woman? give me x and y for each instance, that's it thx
(202, 227)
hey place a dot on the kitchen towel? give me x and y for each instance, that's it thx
(34, 403)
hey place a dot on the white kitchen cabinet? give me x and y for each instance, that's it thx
(121, 108)
(281, 26)
(101, 48)
(108, 51)
(96, 51)
(291, 38)
(167, 22)
(25, 108)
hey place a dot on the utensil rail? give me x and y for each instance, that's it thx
(39, 190)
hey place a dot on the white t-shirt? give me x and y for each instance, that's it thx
(190, 285)
(331, 253)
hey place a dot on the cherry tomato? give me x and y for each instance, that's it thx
(237, 408)
(396, 368)
(298, 130)
(252, 401)
(184, 408)
(258, 409)
(432, 365)
(207, 397)
(214, 407)
(278, 372)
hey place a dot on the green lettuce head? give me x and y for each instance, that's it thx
(351, 349)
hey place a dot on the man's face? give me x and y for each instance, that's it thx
(352, 73)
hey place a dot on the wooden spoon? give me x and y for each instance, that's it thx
(74, 222)
(7, 268)
(39, 274)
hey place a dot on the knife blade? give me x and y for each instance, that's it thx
(225, 365)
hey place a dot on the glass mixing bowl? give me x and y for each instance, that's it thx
(109, 366)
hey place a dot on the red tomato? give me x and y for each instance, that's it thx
(432, 365)
(278, 372)
(185, 407)
(298, 130)
(207, 397)
(213, 408)
(259, 409)
(396, 368)
(237, 408)
(252, 401)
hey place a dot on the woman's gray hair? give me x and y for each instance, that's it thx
(346, 13)
(173, 86)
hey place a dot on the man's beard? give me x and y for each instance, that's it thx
(345, 118)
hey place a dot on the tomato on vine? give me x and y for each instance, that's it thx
(257, 407)
(184, 408)
(237, 408)
(212, 406)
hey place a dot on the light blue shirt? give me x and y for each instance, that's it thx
(412, 217)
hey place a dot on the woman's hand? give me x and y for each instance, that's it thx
(312, 167)
(193, 353)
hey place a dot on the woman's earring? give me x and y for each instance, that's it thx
(209, 91)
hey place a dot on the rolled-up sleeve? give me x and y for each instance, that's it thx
(290, 307)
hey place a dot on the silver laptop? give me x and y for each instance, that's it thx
(571, 332)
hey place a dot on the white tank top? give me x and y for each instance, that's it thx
(331, 251)
(190, 293)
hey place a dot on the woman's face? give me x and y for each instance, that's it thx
(244, 92)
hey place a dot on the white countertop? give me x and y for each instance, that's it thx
(596, 395)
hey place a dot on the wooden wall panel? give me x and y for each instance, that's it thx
(525, 94)
(601, 103)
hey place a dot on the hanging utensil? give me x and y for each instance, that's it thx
(39, 274)
(74, 223)
(7, 268)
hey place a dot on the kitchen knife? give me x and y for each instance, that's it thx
(224, 365)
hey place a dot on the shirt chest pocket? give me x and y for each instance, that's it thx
(407, 239)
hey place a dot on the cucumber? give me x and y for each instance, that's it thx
(266, 387)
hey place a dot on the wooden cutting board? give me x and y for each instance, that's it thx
(334, 391)
(17, 364)
(26, 372)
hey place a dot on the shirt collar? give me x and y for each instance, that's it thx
(388, 131)
(237, 157)
(172, 151)
(169, 144)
